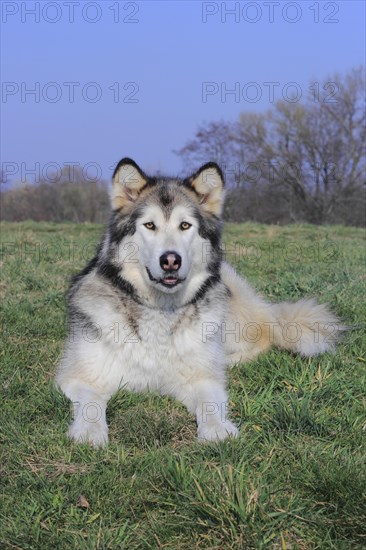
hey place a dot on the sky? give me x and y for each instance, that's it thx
(87, 83)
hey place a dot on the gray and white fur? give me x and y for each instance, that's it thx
(159, 309)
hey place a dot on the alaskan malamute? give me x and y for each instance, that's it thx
(159, 309)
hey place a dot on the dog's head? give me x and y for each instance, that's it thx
(166, 231)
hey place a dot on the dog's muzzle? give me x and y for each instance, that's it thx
(170, 263)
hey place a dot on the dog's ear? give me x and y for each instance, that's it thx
(208, 184)
(128, 181)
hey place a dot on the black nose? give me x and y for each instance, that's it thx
(170, 261)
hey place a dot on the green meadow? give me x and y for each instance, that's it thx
(294, 479)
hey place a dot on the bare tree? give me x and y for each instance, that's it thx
(298, 162)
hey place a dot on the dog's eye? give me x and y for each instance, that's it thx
(185, 225)
(150, 225)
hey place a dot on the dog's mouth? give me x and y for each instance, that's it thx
(169, 280)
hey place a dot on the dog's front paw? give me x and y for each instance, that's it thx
(216, 431)
(94, 433)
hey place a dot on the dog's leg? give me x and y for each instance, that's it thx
(89, 413)
(208, 400)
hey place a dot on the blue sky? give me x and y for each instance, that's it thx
(145, 74)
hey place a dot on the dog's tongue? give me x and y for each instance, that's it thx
(170, 280)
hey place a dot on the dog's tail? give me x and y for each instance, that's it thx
(306, 327)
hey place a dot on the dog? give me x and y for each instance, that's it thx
(159, 309)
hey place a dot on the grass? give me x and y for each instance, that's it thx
(296, 476)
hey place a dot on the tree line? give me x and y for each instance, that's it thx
(71, 198)
(297, 162)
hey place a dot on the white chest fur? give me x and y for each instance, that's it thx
(154, 350)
